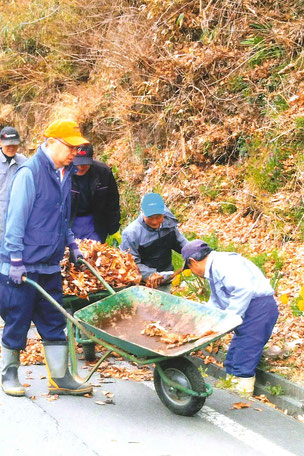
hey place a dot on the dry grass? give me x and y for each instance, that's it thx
(169, 86)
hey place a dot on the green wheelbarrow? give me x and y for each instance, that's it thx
(116, 322)
(72, 303)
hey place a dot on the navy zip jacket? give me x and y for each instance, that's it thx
(104, 199)
(152, 248)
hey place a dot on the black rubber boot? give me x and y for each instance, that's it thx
(60, 379)
(9, 377)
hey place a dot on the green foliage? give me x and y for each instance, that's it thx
(190, 236)
(297, 304)
(242, 145)
(279, 103)
(203, 372)
(114, 240)
(271, 258)
(296, 312)
(211, 190)
(192, 286)
(237, 84)
(177, 260)
(213, 241)
(266, 165)
(180, 20)
(262, 50)
(299, 122)
(225, 383)
(129, 204)
(275, 390)
(228, 207)
(259, 260)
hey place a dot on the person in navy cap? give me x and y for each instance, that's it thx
(10, 160)
(95, 210)
(151, 238)
(237, 285)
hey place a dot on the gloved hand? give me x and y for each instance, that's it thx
(166, 274)
(75, 253)
(154, 280)
(16, 271)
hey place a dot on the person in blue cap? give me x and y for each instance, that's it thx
(237, 285)
(151, 238)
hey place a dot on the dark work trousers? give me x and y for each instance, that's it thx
(250, 337)
(21, 304)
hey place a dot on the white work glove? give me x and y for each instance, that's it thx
(166, 274)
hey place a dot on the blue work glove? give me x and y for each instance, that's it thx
(16, 271)
(75, 253)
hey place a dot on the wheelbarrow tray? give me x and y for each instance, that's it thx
(75, 303)
(120, 318)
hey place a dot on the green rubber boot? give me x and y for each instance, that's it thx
(9, 377)
(60, 379)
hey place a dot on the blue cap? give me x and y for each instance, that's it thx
(196, 249)
(152, 204)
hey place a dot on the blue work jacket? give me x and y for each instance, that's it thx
(37, 222)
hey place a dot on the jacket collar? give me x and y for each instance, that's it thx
(3, 158)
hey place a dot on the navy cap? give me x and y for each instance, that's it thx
(196, 249)
(152, 204)
(9, 137)
(84, 155)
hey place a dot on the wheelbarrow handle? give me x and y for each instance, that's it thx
(98, 276)
(57, 305)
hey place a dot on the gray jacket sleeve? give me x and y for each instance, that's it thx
(130, 244)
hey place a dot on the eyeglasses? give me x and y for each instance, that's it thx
(72, 148)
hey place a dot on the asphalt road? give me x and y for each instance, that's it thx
(138, 424)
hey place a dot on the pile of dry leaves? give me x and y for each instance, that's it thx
(116, 267)
(154, 329)
(33, 353)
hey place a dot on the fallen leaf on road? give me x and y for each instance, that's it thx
(264, 399)
(100, 403)
(88, 395)
(53, 398)
(109, 395)
(33, 398)
(26, 385)
(240, 405)
(258, 409)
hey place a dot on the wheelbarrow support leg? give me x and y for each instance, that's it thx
(60, 379)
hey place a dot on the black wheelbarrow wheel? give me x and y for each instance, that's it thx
(88, 350)
(184, 372)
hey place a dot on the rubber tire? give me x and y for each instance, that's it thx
(89, 351)
(188, 368)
